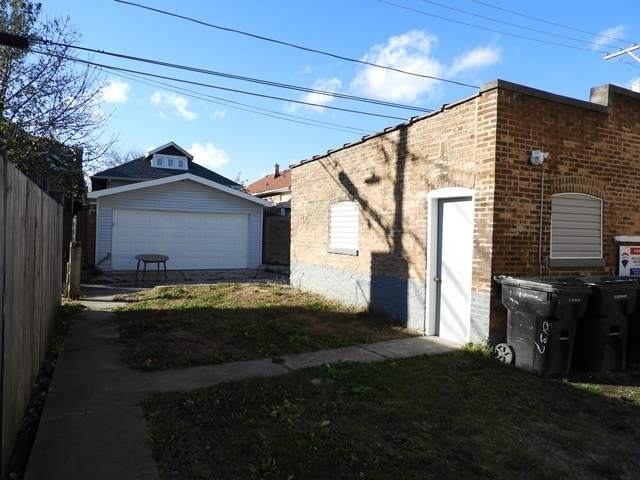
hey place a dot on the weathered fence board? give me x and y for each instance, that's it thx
(31, 286)
(276, 240)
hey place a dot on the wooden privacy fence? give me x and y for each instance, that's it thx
(31, 274)
(276, 240)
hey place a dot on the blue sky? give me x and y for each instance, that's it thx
(236, 130)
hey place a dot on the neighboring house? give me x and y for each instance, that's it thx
(275, 188)
(162, 162)
(417, 220)
(165, 203)
(68, 188)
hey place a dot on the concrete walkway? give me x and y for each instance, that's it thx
(92, 426)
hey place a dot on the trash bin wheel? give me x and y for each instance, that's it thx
(504, 353)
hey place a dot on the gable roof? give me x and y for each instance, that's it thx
(140, 169)
(177, 178)
(169, 146)
(273, 183)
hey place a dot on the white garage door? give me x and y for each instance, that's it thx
(192, 241)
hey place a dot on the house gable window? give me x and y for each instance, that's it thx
(576, 230)
(174, 162)
(343, 228)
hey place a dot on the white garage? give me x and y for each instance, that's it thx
(197, 223)
(191, 240)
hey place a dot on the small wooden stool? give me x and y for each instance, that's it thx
(151, 258)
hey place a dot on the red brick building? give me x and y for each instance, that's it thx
(417, 220)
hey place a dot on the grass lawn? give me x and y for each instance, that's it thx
(462, 415)
(183, 326)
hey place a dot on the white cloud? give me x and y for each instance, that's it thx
(177, 102)
(412, 52)
(610, 34)
(219, 114)
(479, 57)
(408, 52)
(115, 91)
(208, 155)
(317, 99)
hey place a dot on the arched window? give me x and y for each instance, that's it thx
(343, 228)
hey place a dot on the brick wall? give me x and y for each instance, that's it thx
(482, 143)
(592, 150)
(389, 176)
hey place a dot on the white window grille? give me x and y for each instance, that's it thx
(343, 228)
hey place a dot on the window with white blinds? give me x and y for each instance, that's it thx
(343, 228)
(576, 226)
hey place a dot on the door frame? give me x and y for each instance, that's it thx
(433, 199)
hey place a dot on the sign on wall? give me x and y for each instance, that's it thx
(629, 260)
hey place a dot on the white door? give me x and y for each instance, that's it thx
(193, 241)
(454, 267)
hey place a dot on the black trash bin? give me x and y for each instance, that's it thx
(542, 314)
(633, 335)
(601, 337)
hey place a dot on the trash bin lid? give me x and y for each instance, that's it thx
(610, 281)
(612, 284)
(545, 284)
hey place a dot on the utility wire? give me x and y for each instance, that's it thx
(293, 45)
(242, 106)
(422, 12)
(248, 79)
(552, 23)
(200, 84)
(459, 10)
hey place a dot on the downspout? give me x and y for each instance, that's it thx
(540, 262)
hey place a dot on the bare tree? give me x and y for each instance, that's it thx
(117, 155)
(49, 104)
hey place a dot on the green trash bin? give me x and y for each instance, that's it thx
(542, 315)
(602, 335)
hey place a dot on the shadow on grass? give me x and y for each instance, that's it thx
(459, 415)
(211, 328)
(629, 376)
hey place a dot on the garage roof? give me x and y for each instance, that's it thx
(178, 178)
(140, 169)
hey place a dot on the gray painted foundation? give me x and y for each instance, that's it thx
(480, 317)
(402, 299)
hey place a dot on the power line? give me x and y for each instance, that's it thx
(552, 23)
(293, 45)
(249, 79)
(164, 77)
(422, 12)
(511, 24)
(244, 107)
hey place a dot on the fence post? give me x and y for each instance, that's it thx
(73, 270)
(5, 436)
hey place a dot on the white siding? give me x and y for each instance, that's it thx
(185, 196)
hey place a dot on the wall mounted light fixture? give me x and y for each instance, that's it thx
(537, 157)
